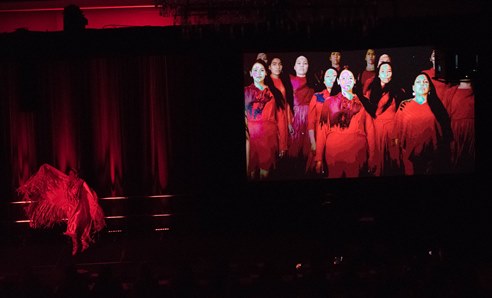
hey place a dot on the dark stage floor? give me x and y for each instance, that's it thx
(315, 254)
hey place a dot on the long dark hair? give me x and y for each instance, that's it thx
(289, 91)
(396, 93)
(335, 89)
(277, 95)
(439, 111)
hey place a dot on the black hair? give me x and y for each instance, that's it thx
(277, 95)
(439, 111)
(335, 89)
(396, 93)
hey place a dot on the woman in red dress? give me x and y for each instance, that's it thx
(423, 130)
(345, 133)
(315, 107)
(281, 88)
(300, 147)
(265, 124)
(54, 196)
(383, 97)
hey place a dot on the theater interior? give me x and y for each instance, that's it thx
(144, 98)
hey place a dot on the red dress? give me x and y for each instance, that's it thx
(460, 104)
(300, 144)
(347, 138)
(314, 113)
(384, 134)
(287, 117)
(55, 196)
(266, 127)
(417, 131)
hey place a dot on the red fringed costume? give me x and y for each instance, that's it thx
(314, 114)
(55, 196)
(300, 145)
(266, 128)
(440, 86)
(418, 132)
(346, 138)
(460, 104)
(384, 135)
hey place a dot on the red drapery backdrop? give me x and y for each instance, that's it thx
(106, 116)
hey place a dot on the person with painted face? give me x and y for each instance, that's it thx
(423, 130)
(381, 100)
(264, 124)
(315, 106)
(345, 136)
(367, 83)
(300, 147)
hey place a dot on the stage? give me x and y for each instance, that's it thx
(169, 247)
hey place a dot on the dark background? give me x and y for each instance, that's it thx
(206, 147)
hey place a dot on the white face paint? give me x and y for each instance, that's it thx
(258, 73)
(421, 85)
(346, 80)
(385, 73)
(330, 77)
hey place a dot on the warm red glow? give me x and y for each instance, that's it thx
(51, 19)
(107, 127)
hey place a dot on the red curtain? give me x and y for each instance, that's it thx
(105, 116)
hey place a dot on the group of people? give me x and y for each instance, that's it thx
(360, 123)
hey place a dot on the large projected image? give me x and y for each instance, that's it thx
(357, 113)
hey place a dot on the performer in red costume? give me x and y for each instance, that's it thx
(266, 126)
(459, 101)
(382, 98)
(55, 196)
(423, 130)
(367, 83)
(281, 88)
(345, 133)
(300, 146)
(439, 84)
(315, 107)
(369, 70)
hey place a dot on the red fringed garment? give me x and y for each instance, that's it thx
(55, 196)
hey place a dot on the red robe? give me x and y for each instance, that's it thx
(384, 134)
(54, 197)
(460, 104)
(417, 131)
(314, 113)
(347, 138)
(266, 127)
(288, 116)
(300, 144)
(366, 78)
(441, 87)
